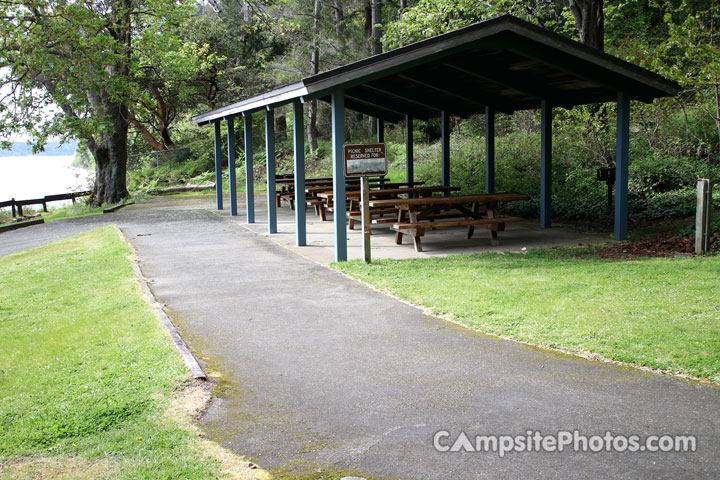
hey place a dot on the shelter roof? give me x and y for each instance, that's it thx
(504, 63)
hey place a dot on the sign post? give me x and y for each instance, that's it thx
(365, 160)
(365, 206)
(702, 216)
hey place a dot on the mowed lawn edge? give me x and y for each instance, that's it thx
(658, 313)
(91, 386)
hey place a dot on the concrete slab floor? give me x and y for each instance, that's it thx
(436, 243)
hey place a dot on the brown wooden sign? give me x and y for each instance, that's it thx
(365, 159)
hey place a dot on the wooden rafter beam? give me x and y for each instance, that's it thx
(480, 100)
(504, 78)
(383, 102)
(435, 103)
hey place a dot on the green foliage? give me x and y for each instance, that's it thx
(83, 158)
(74, 56)
(689, 230)
(433, 17)
(244, 40)
(79, 209)
(150, 177)
(660, 185)
(168, 69)
(337, 33)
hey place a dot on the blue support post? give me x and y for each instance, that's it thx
(622, 158)
(299, 150)
(270, 168)
(445, 131)
(489, 150)
(546, 164)
(232, 184)
(218, 167)
(249, 180)
(409, 154)
(338, 139)
(380, 130)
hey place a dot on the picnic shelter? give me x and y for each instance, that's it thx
(500, 65)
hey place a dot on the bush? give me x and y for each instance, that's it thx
(660, 186)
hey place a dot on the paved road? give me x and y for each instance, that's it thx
(322, 372)
(37, 235)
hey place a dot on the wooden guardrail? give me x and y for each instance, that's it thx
(17, 205)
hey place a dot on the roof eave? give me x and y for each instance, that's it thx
(278, 96)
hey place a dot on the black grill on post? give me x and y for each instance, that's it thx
(607, 175)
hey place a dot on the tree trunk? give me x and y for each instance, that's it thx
(368, 18)
(339, 15)
(147, 135)
(281, 126)
(590, 22)
(165, 134)
(376, 32)
(312, 131)
(111, 157)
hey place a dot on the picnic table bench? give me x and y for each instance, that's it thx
(320, 198)
(354, 212)
(415, 215)
(354, 198)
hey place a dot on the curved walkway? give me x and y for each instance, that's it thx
(322, 372)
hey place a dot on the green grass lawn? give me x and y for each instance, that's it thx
(72, 211)
(86, 371)
(658, 313)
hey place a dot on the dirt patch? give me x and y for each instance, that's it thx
(664, 245)
(186, 406)
(58, 468)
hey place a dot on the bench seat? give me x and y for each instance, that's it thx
(417, 229)
(356, 215)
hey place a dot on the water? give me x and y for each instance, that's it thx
(36, 176)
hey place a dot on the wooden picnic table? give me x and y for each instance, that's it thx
(287, 188)
(312, 185)
(393, 192)
(415, 215)
(353, 208)
(321, 204)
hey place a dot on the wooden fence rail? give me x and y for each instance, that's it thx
(17, 205)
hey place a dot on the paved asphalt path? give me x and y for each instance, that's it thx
(320, 372)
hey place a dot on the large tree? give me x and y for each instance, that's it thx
(168, 69)
(68, 69)
(590, 22)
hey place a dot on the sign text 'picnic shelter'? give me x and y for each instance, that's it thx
(365, 159)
